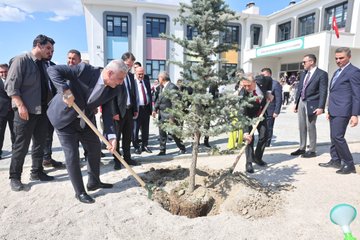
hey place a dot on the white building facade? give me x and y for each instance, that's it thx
(278, 41)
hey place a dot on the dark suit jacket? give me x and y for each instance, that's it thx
(275, 105)
(316, 89)
(119, 103)
(344, 95)
(252, 112)
(162, 102)
(80, 79)
(5, 101)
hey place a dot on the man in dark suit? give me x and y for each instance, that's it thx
(260, 88)
(89, 88)
(344, 108)
(48, 161)
(124, 109)
(274, 107)
(144, 101)
(161, 105)
(309, 103)
(6, 112)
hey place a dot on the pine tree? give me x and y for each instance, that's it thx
(202, 113)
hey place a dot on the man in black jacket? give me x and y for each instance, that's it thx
(162, 103)
(124, 109)
(261, 90)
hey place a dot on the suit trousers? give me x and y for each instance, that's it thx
(163, 138)
(9, 119)
(34, 129)
(69, 137)
(261, 144)
(306, 127)
(48, 142)
(339, 150)
(270, 122)
(124, 129)
(142, 122)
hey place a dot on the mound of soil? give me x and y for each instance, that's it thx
(216, 191)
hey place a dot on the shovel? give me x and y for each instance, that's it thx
(251, 133)
(117, 155)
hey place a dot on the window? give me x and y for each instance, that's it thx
(284, 31)
(231, 35)
(155, 26)
(307, 25)
(191, 32)
(339, 11)
(154, 67)
(256, 34)
(228, 68)
(117, 26)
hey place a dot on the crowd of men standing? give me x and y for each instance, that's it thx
(36, 97)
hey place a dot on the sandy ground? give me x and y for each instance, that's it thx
(50, 211)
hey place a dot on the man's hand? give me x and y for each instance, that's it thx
(116, 117)
(275, 115)
(318, 111)
(353, 121)
(247, 137)
(153, 114)
(327, 116)
(23, 112)
(68, 98)
(269, 97)
(295, 109)
(136, 114)
(113, 145)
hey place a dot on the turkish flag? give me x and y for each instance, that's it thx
(335, 27)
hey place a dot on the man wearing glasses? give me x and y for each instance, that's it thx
(309, 103)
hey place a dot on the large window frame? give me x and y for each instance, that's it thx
(340, 11)
(155, 26)
(284, 31)
(256, 31)
(117, 25)
(231, 35)
(307, 24)
(154, 67)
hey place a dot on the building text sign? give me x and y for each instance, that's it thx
(281, 47)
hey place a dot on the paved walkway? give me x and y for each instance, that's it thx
(286, 135)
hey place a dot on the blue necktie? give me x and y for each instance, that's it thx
(335, 77)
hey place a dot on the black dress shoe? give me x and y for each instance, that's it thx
(41, 176)
(132, 162)
(308, 154)
(98, 185)
(117, 166)
(346, 169)
(260, 162)
(331, 163)
(206, 144)
(161, 153)
(16, 185)
(183, 151)
(249, 167)
(146, 149)
(102, 154)
(84, 198)
(297, 152)
(137, 151)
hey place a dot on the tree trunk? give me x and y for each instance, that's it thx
(195, 151)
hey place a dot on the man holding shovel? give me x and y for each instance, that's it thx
(260, 88)
(88, 87)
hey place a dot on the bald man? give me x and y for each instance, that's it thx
(144, 101)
